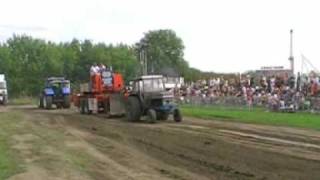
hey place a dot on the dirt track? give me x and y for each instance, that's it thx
(193, 149)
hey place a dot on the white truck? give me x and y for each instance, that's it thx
(3, 90)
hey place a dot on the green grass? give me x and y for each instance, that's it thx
(256, 116)
(9, 162)
(8, 165)
(23, 101)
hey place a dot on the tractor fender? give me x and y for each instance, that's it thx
(48, 92)
(66, 91)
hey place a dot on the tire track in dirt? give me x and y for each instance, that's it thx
(275, 144)
(195, 162)
(113, 169)
(201, 162)
(29, 146)
(193, 149)
(276, 140)
(129, 162)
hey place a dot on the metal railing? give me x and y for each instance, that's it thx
(302, 104)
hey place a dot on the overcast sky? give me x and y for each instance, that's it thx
(221, 36)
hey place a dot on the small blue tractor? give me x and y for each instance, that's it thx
(57, 92)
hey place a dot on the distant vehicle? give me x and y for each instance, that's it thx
(57, 92)
(149, 97)
(3, 90)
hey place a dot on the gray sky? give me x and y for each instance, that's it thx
(221, 36)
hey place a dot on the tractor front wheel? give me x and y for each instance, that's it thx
(41, 102)
(47, 102)
(152, 115)
(177, 117)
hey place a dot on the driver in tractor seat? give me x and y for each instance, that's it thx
(101, 67)
(96, 76)
(94, 71)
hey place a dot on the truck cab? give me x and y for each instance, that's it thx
(3, 90)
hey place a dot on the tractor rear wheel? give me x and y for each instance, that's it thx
(133, 109)
(177, 117)
(47, 102)
(66, 101)
(152, 116)
(41, 102)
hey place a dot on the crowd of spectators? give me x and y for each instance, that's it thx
(276, 92)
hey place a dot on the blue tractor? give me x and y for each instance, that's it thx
(57, 92)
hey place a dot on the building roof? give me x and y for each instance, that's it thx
(151, 77)
(279, 72)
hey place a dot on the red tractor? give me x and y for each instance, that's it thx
(104, 94)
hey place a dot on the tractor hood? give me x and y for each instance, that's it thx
(160, 95)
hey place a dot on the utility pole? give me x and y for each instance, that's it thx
(143, 60)
(291, 58)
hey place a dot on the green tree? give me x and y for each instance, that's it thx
(163, 48)
(28, 61)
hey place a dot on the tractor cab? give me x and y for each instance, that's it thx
(59, 86)
(107, 77)
(149, 84)
(152, 89)
(106, 81)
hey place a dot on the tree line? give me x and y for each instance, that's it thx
(28, 61)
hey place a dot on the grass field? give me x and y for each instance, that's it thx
(9, 162)
(23, 101)
(256, 116)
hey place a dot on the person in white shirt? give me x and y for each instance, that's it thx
(94, 69)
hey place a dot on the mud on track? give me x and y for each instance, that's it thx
(193, 149)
